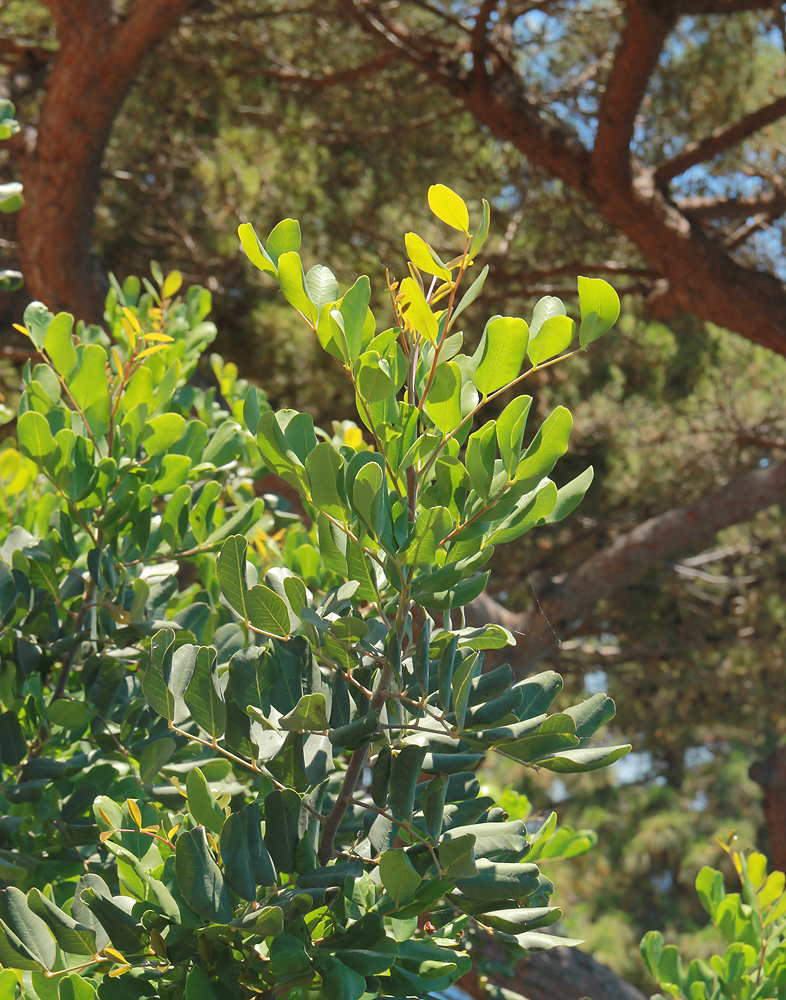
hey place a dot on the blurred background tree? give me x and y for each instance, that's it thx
(641, 141)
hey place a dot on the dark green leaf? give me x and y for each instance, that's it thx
(199, 878)
(204, 697)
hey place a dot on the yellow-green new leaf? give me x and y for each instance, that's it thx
(254, 250)
(424, 257)
(293, 285)
(417, 312)
(449, 207)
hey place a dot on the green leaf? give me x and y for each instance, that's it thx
(578, 761)
(449, 207)
(339, 982)
(321, 285)
(443, 402)
(368, 496)
(651, 947)
(501, 353)
(479, 458)
(174, 522)
(71, 936)
(284, 238)
(510, 431)
(154, 757)
(354, 313)
(355, 734)
(480, 237)
(325, 471)
(570, 496)
(709, 887)
(35, 438)
(499, 880)
(309, 715)
(90, 389)
(530, 510)
(256, 253)
(548, 445)
(231, 573)
(282, 834)
(432, 805)
(546, 308)
(198, 985)
(416, 311)
(58, 344)
(267, 612)
(247, 863)
(37, 319)
(26, 932)
(225, 445)
(204, 697)
(398, 876)
(535, 941)
(552, 339)
(591, 714)
(457, 856)
(516, 921)
(202, 803)
(199, 879)
(374, 379)
(461, 685)
(505, 842)
(69, 714)
(293, 285)
(201, 513)
(600, 309)
(155, 684)
(433, 524)
(11, 199)
(403, 779)
(470, 295)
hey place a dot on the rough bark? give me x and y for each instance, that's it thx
(560, 974)
(539, 629)
(698, 271)
(99, 57)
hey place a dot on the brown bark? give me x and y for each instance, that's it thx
(99, 57)
(560, 974)
(771, 775)
(698, 272)
(539, 629)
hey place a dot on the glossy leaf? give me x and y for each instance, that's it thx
(600, 309)
(448, 207)
(501, 353)
(416, 311)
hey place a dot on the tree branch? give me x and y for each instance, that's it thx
(327, 79)
(719, 141)
(691, 526)
(711, 209)
(635, 60)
